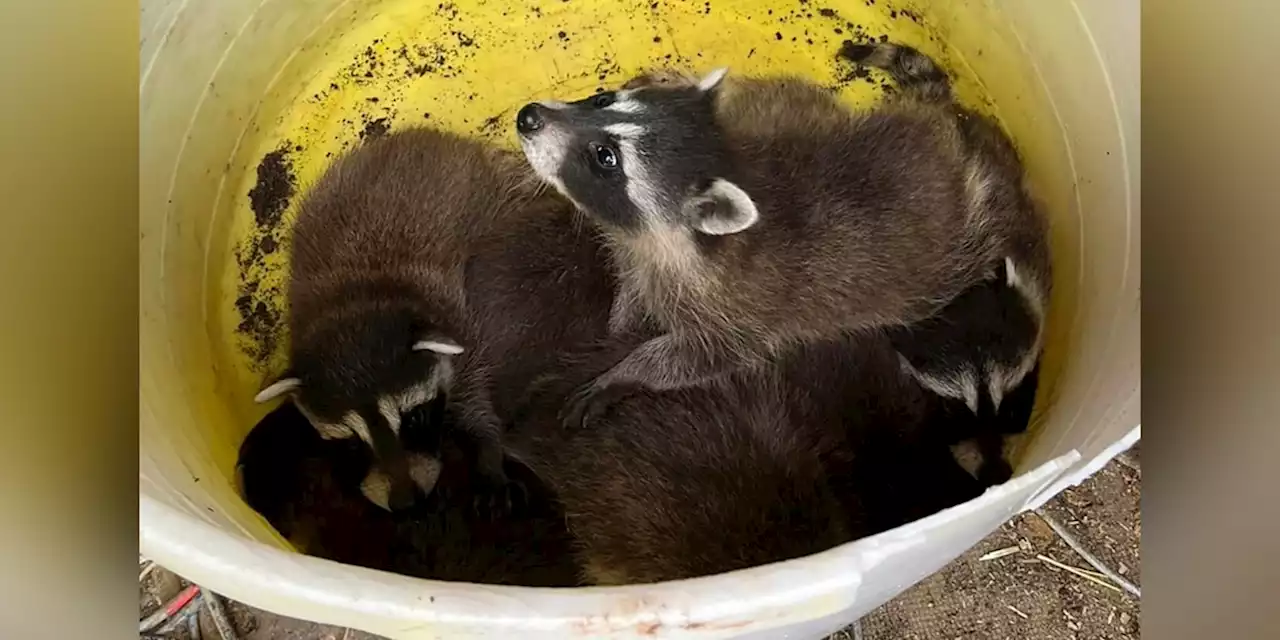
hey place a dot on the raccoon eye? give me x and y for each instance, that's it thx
(602, 100)
(605, 156)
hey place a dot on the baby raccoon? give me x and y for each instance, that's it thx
(684, 483)
(821, 447)
(378, 295)
(748, 215)
(309, 489)
(980, 355)
(982, 350)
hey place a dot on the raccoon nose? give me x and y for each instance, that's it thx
(529, 119)
(401, 497)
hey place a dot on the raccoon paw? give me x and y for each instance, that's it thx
(994, 471)
(498, 497)
(591, 402)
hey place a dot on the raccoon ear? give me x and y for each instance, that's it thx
(712, 80)
(722, 209)
(281, 387)
(438, 344)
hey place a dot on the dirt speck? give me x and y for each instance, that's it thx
(491, 127)
(270, 195)
(464, 40)
(375, 128)
(607, 67)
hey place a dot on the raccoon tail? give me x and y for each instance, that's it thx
(914, 72)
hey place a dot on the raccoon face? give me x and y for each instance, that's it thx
(343, 415)
(640, 159)
(343, 400)
(982, 347)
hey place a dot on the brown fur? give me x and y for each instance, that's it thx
(394, 245)
(407, 207)
(802, 280)
(999, 197)
(308, 489)
(868, 220)
(546, 285)
(993, 333)
(828, 446)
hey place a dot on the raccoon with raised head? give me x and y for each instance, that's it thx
(378, 294)
(747, 215)
(979, 353)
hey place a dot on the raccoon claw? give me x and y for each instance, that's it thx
(576, 409)
(590, 403)
(499, 497)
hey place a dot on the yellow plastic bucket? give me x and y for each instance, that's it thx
(226, 84)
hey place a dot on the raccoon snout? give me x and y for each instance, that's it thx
(529, 119)
(401, 496)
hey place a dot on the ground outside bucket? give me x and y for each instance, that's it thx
(225, 82)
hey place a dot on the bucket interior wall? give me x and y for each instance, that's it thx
(226, 83)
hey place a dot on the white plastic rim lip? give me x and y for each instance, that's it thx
(760, 598)
(1084, 471)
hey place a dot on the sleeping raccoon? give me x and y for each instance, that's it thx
(671, 485)
(980, 355)
(309, 489)
(749, 215)
(982, 350)
(381, 294)
(763, 465)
